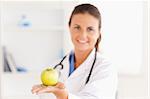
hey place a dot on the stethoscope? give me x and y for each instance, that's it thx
(60, 66)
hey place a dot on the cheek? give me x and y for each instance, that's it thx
(94, 40)
(73, 36)
(95, 37)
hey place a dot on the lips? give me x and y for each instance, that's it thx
(82, 41)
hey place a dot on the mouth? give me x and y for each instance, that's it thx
(82, 41)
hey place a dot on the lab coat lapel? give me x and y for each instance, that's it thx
(84, 67)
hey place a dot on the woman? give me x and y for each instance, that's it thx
(86, 73)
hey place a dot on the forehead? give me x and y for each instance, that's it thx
(84, 19)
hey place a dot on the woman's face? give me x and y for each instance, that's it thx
(84, 29)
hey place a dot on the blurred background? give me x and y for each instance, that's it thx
(33, 34)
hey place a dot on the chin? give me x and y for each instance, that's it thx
(83, 49)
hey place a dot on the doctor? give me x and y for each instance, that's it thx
(85, 73)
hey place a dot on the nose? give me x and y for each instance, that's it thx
(83, 34)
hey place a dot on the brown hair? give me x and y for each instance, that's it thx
(92, 10)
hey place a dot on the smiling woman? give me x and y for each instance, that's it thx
(84, 34)
(85, 72)
(124, 40)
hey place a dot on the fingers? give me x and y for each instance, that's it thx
(36, 86)
(60, 85)
(48, 89)
(38, 89)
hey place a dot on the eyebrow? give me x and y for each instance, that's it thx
(90, 27)
(77, 24)
(87, 27)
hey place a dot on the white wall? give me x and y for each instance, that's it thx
(37, 46)
(132, 24)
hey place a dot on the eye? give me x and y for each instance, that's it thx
(90, 29)
(77, 27)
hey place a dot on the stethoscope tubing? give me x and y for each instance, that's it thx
(90, 73)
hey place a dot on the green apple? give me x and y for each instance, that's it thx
(49, 77)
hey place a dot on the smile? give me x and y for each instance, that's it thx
(82, 41)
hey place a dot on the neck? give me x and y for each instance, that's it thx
(80, 57)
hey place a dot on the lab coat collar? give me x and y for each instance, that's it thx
(85, 66)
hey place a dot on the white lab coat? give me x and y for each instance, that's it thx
(102, 83)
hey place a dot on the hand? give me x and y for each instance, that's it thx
(59, 90)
